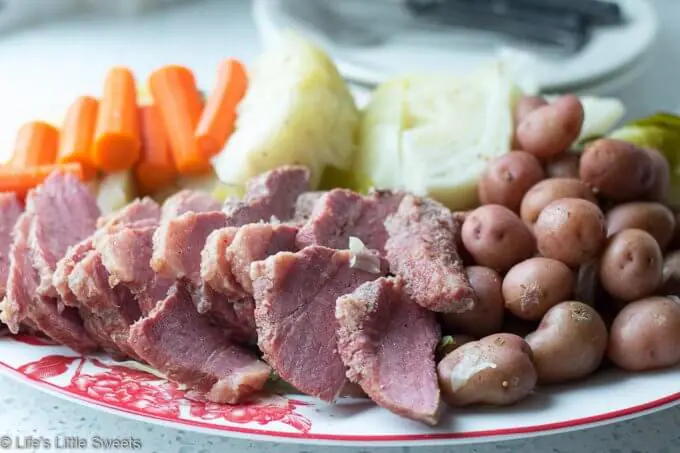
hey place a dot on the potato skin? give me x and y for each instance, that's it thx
(563, 165)
(551, 129)
(662, 176)
(549, 190)
(495, 237)
(533, 286)
(617, 170)
(631, 266)
(570, 230)
(487, 316)
(496, 370)
(526, 105)
(645, 335)
(569, 343)
(654, 218)
(508, 177)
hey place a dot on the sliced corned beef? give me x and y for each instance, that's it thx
(181, 343)
(10, 210)
(388, 343)
(178, 242)
(141, 213)
(252, 242)
(126, 254)
(304, 206)
(235, 317)
(22, 304)
(215, 271)
(116, 307)
(340, 214)
(271, 195)
(64, 213)
(295, 296)
(188, 201)
(422, 250)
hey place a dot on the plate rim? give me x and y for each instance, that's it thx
(356, 440)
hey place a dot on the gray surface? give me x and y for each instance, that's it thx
(25, 411)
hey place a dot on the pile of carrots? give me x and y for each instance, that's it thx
(177, 134)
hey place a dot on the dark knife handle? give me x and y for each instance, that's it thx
(597, 12)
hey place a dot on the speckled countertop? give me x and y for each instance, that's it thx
(26, 411)
(77, 64)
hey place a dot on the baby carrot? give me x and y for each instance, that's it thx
(36, 144)
(117, 143)
(173, 89)
(21, 180)
(77, 135)
(155, 168)
(219, 115)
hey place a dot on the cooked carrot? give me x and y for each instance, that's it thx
(155, 168)
(21, 180)
(117, 143)
(173, 89)
(36, 144)
(77, 135)
(219, 115)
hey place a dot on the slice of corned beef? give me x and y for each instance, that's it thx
(236, 318)
(422, 250)
(126, 254)
(141, 213)
(116, 307)
(188, 201)
(271, 195)
(388, 342)
(215, 271)
(178, 242)
(10, 210)
(295, 296)
(181, 343)
(340, 214)
(64, 213)
(23, 304)
(304, 206)
(252, 242)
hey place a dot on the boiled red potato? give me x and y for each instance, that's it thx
(524, 107)
(571, 230)
(450, 343)
(495, 237)
(569, 343)
(619, 170)
(662, 176)
(487, 316)
(654, 218)
(534, 286)
(671, 274)
(496, 370)
(508, 177)
(631, 266)
(563, 165)
(645, 335)
(549, 190)
(551, 129)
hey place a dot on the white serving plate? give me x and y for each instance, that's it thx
(97, 382)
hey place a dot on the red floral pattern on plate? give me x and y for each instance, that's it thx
(142, 392)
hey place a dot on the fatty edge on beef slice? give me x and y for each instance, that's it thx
(10, 210)
(387, 342)
(422, 249)
(295, 295)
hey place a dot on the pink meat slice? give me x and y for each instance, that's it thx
(64, 213)
(181, 343)
(115, 307)
(387, 342)
(236, 318)
(271, 195)
(304, 206)
(22, 303)
(10, 210)
(422, 249)
(250, 243)
(188, 201)
(341, 213)
(295, 296)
